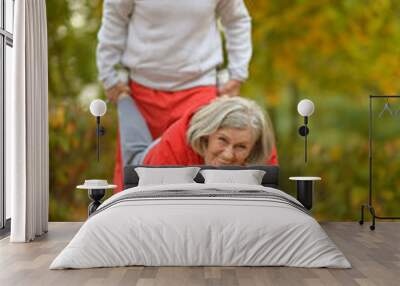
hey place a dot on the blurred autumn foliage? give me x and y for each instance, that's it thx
(334, 52)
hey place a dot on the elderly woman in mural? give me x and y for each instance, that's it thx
(227, 131)
(171, 50)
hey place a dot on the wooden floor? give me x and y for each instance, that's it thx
(375, 257)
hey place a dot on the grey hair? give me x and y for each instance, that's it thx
(233, 112)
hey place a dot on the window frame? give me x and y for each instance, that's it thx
(6, 39)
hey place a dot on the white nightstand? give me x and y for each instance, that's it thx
(305, 187)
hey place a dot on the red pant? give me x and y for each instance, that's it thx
(161, 109)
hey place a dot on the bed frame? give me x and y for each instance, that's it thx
(270, 179)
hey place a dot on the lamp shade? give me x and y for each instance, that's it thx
(305, 107)
(98, 107)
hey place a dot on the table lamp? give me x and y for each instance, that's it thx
(305, 108)
(98, 108)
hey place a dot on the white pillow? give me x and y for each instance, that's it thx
(248, 177)
(164, 176)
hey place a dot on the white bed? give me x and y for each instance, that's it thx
(223, 225)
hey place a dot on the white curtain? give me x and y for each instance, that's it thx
(27, 148)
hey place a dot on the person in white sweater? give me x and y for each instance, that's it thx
(171, 50)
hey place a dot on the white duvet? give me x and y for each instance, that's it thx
(183, 231)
